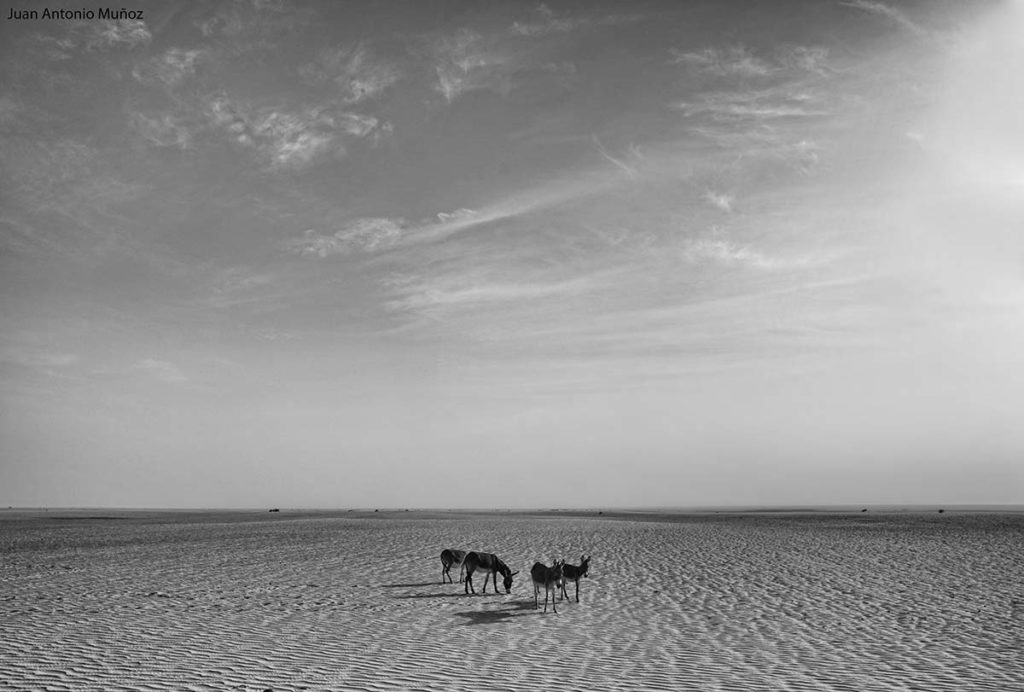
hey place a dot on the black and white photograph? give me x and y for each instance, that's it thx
(512, 345)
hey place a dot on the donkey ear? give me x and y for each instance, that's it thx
(514, 573)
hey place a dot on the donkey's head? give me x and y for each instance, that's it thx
(584, 565)
(507, 581)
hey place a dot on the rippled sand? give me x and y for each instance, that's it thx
(354, 601)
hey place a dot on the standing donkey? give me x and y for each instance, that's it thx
(574, 573)
(548, 577)
(490, 565)
(450, 557)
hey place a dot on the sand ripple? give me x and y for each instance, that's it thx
(345, 602)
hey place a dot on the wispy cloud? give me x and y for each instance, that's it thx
(358, 74)
(890, 13)
(457, 216)
(170, 68)
(49, 363)
(361, 235)
(606, 310)
(357, 125)
(734, 61)
(291, 139)
(544, 21)
(223, 24)
(763, 104)
(758, 112)
(547, 196)
(501, 298)
(462, 292)
(244, 287)
(374, 234)
(113, 34)
(253, 25)
(748, 151)
(721, 251)
(239, 279)
(770, 125)
(56, 48)
(161, 370)
(545, 286)
(719, 200)
(629, 170)
(810, 59)
(90, 37)
(163, 130)
(449, 225)
(65, 198)
(277, 335)
(466, 62)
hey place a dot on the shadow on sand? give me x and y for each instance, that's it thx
(430, 595)
(409, 586)
(486, 617)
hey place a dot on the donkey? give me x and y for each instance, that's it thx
(450, 557)
(574, 574)
(490, 565)
(548, 577)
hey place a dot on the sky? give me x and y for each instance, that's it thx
(509, 254)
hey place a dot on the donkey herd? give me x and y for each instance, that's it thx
(551, 579)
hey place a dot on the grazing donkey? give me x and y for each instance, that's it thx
(489, 564)
(574, 574)
(548, 577)
(450, 557)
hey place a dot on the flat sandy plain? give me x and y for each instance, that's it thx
(117, 600)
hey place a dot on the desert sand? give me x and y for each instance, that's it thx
(95, 600)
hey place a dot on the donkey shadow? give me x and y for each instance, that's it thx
(421, 595)
(447, 593)
(487, 617)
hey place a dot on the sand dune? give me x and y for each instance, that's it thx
(352, 601)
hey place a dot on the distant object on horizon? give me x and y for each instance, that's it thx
(275, 510)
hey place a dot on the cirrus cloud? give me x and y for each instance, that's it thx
(292, 139)
(362, 235)
(464, 62)
(169, 68)
(356, 71)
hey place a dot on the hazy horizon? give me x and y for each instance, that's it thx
(609, 510)
(463, 254)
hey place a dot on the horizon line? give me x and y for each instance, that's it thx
(750, 508)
